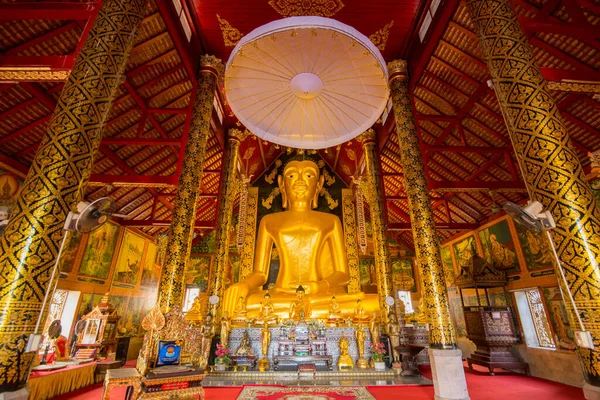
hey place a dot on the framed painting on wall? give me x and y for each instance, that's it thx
(129, 262)
(448, 265)
(366, 268)
(68, 258)
(197, 271)
(537, 253)
(99, 251)
(403, 274)
(151, 268)
(498, 244)
(456, 312)
(463, 251)
(564, 338)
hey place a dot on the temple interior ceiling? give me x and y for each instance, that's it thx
(470, 162)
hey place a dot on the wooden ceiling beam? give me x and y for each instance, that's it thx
(47, 11)
(164, 222)
(465, 149)
(40, 39)
(471, 185)
(139, 141)
(127, 180)
(25, 129)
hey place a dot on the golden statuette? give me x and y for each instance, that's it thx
(345, 361)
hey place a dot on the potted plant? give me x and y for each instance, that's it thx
(223, 360)
(378, 354)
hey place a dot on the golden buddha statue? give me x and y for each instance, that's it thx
(245, 348)
(265, 340)
(194, 314)
(300, 308)
(266, 313)
(360, 336)
(392, 329)
(239, 313)
(311, 249)
(345, 361)
(360, 315)
(335, 315)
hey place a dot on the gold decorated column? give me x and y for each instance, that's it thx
(171, 286)
(228, 191)
(427, 246)
(56, 182)
(551, 169)
(374, 195)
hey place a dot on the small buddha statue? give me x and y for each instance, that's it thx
(225, 328)
(265, 340)
(360, 314)
(374, 329)
(335, 315)
(240, 313)
(207, 332)
(300, 309)
(345, 361)
(194, 314)
(266, 313)
(360, 336)
(245, 348)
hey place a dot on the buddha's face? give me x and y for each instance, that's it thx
(300, 181)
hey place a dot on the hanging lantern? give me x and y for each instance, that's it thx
(361, 228)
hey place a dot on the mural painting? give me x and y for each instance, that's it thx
(151, 267)
(403, 274)
(499, 247)
(87, 303)
(233, 274)
(99, 250)
(464, 251)
(448, 266)
(368, 276)
(563, 333)
(456, 312)
(133, 316)
(129, 262)
(119, 303)
(536, 249)
(68, 257)
(9, 190)
(197, 272)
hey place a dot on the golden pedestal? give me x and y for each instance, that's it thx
(362, 363)
(345, 362)
(263, 365)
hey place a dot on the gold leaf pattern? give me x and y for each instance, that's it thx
(30, 242)
(231, 36)
(321, 8)
(380, 37)
(154, 320)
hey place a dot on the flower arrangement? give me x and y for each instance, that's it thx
(222, 354)
(378, 353)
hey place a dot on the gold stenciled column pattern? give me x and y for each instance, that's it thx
(349, 221)
(550, 166)
(181, 232)
(56, 181)
(228, 191)
(427, 246)
(247, 258)
(374, 196)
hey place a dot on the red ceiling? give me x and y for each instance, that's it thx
(366, 16)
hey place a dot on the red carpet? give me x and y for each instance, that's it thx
(503, 386)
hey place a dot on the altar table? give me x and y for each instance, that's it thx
(49, 384)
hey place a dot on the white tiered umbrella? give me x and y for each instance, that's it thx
(306, 82)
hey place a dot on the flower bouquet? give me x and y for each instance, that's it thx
(378, 354)
(223, 359)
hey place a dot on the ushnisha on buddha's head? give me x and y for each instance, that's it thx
(300, 185)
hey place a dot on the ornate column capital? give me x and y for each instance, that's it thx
(398, 69)
(368, 136)
(212, 64)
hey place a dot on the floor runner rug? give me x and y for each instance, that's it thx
(304, 393)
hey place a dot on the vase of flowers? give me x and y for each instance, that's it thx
(223, 360)
(378, 354)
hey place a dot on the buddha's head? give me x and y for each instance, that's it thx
(300, 292)
(300, 184)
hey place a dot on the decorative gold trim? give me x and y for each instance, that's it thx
(247, 257)
(231, 36)
(351, 243)
(581, 87)
(212, 62)
(380, 37)
(44, 75)
(321, 8)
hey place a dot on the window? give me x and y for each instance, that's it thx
(534, 322)
(62, 307)
(183, 19)
(190, 295)
(404, 295)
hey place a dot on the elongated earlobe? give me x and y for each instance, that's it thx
(284, 200)
(315, 200)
